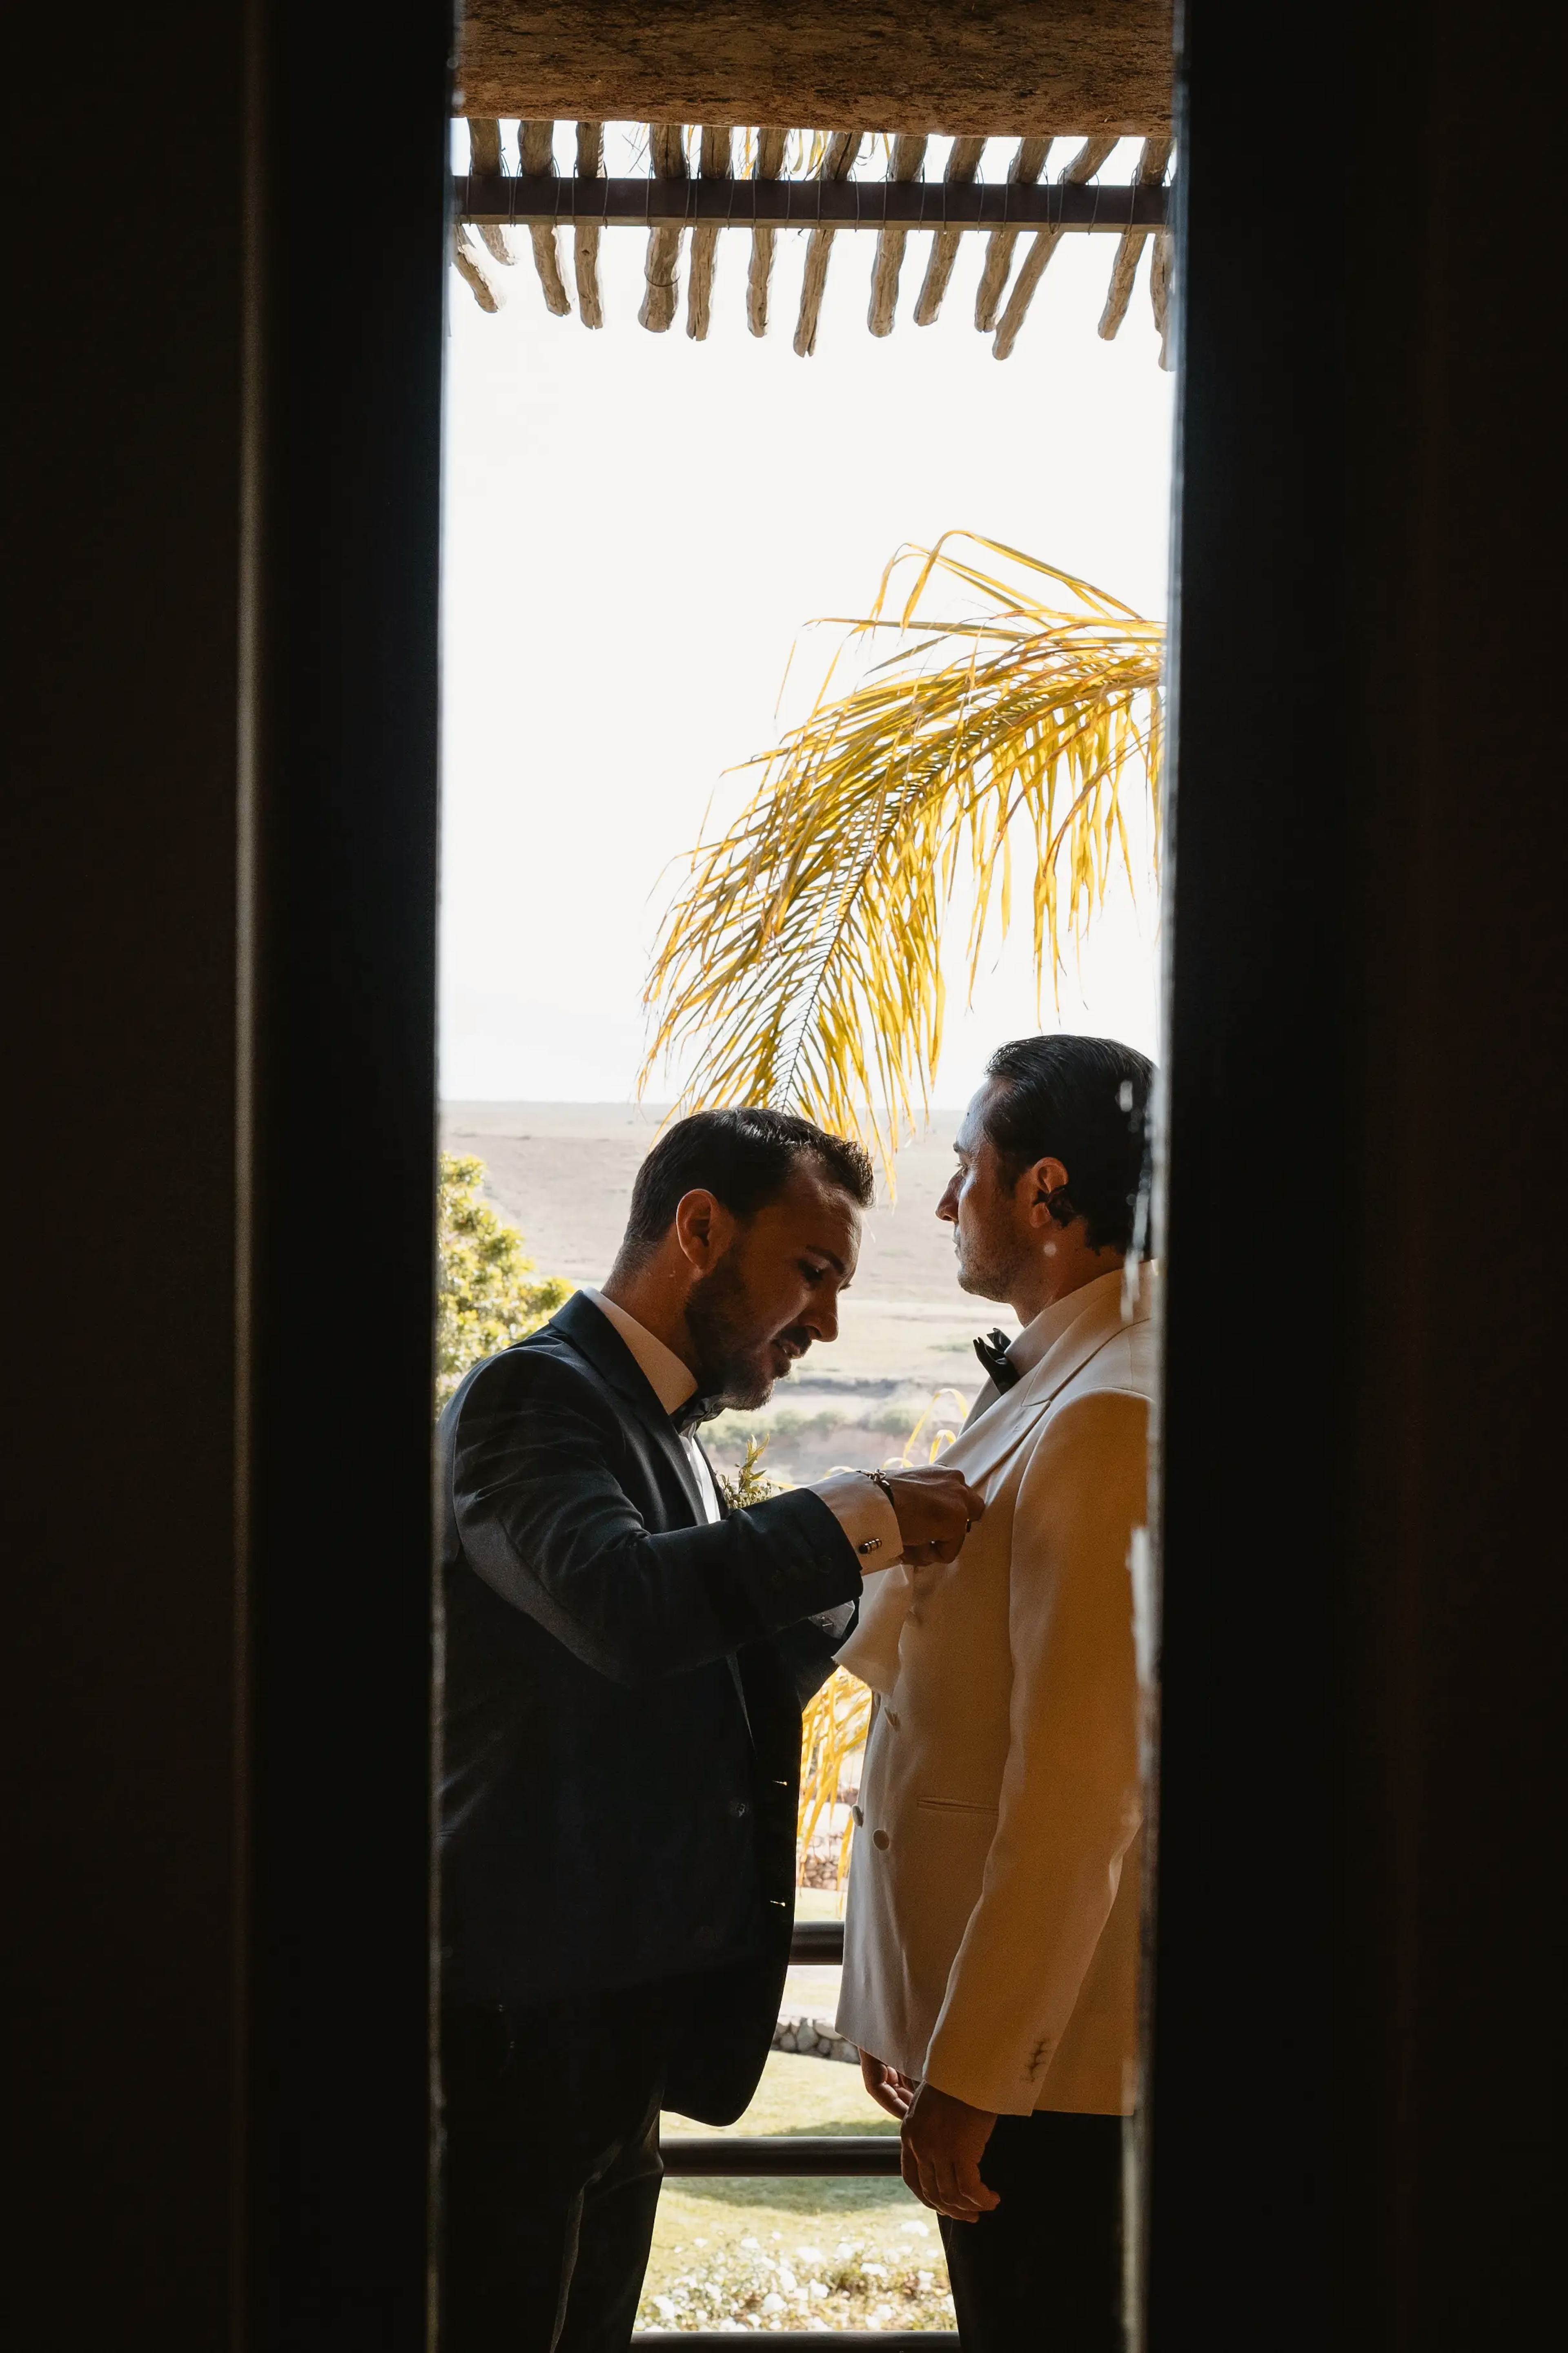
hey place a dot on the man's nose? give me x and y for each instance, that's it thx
(947, 1208)
(821, 1319)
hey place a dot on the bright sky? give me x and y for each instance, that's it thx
(637, 529)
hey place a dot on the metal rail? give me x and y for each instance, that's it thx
(809, 203)
(821, 1941)
(822, 2155)
(819, 2155)
(805, 2340)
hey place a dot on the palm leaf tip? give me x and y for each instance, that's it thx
(801, 961)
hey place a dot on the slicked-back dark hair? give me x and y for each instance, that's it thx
(744, 1157)
(1084, 1102)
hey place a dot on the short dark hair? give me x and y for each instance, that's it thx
(1084, 1102)
(744, 1157)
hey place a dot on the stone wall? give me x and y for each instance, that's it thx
(815, 2038)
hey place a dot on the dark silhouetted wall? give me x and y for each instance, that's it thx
(1359, 2018)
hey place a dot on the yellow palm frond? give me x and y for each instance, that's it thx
(802, 958)
(832, 1736)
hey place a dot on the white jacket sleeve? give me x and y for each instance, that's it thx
(872, 1651)
(1071, 1796)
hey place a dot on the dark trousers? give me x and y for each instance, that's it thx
(552, 2169)
(1044, 2268)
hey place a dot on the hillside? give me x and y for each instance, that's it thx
(563, 1173)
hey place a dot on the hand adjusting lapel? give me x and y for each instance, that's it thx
(992, 1351)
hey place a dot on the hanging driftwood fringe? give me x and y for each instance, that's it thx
(667, 148)
(1124, 269)
(467, 262)
(963, 164)
(909, 155)
(585, 236)
(1084, 166)
(771, 147)
(825, 197)
(1023, 171)
(484, 143)
(536, 145)
(714, 164)
(1161, 272)
(837, 163)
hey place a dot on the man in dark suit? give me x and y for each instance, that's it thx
(624, 1668)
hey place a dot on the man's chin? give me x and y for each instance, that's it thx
(743, 1392)
(745, 1387)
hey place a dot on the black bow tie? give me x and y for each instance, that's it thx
(696, 1409)
(992, 1351)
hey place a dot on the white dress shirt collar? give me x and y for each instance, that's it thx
(857, 1505)
(672, 1381)
(861, 1509)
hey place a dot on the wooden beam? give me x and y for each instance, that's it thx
(1062, 205)
(992, 68)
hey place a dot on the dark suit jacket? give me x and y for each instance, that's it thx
(623, 1688)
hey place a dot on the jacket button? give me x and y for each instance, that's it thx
(881, 1838)
(859, 1818)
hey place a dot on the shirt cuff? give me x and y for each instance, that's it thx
(866, 1516)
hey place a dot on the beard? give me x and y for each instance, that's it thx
(988, 1264)
(734, 1364)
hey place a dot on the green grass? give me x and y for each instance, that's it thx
(802, 2095)
(818, 1903)
(759, 2253)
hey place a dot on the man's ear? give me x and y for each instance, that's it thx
(1046, 1177)
(702, 1227)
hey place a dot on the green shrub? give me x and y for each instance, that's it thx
(485, 1298)
(896, 1417)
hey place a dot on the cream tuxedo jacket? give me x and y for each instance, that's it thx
(990, 1947)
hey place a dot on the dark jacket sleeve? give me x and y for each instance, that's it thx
(545, 1520)
(809, 1653)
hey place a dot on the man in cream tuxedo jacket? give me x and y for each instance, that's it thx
(991, 1950)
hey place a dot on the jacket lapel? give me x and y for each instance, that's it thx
(989, 1436)
(594, 1336)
